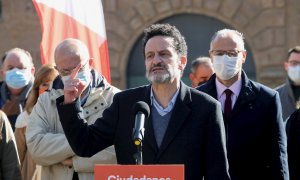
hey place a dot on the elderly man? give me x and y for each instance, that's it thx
(17, 71)
(201, 71)
(45, 137)
(185, 126)
(256, 140)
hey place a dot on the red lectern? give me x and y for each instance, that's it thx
(139, 172)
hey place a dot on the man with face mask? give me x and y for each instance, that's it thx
(45, 137)
(17, 71)
(256, 140)
(201, 71)
(290, 91)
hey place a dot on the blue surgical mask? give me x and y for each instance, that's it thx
(17, 78)
(84, 76)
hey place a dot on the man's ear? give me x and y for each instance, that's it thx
(191, 76)
(244, 55)
(91, 63)
(286, 66)
(32, 70)
(2, 74)
(183, 61)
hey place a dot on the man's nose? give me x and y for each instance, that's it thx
(157, 59)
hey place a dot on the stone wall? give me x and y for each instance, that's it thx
(20, 27)
(270, 27)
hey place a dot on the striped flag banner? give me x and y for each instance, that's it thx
(84, 20)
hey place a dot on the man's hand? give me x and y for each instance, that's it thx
(73, 87)
(68, 162)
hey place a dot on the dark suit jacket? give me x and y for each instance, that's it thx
(195, 135)
(293, 145)
(256, 140)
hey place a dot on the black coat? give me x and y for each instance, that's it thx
(195, 135)
(293, 145)
(256, 140)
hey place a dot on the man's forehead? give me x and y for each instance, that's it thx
(68, 61)
(17, 56)
(67, 58)
(228, 42)
(294, 57)
(225, 39)
(159, 43)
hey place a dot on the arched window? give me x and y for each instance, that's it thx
(198, 30)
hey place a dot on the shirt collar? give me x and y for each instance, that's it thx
(83, 99)
(163, 111)
(235, 87)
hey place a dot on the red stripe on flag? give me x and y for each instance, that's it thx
(105, 66)
(57, 26)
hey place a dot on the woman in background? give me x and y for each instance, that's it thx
(43, 79)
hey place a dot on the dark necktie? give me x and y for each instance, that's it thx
(228, 104)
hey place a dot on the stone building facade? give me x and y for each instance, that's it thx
(270, 27)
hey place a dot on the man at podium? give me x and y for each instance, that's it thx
(185, 126)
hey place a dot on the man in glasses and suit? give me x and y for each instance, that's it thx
(256, 140)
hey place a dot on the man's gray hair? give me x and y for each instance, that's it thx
(236, 35)
(202, 60)
(15, 51)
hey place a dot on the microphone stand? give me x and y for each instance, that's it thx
(138, 142)
(138, 156)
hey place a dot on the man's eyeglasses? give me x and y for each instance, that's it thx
(230, 53)
(66, 72)
(294, 63)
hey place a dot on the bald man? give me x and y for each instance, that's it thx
(45, 137)
(17, 71)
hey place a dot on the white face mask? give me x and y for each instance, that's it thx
(65, 78)
(294, 74)
(84, 77)
(225, 67)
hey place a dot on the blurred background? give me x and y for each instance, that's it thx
(270, 28)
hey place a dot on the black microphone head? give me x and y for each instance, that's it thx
(142, 107)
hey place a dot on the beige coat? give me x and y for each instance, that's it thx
(48, 145)
(29, 169)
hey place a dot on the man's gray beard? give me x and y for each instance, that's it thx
(158, 78)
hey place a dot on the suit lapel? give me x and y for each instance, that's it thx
(210, 87)
(246, 96)
(180, 113)
(149, 132)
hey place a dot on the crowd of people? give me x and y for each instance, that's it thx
(58, 122)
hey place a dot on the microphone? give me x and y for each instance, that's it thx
(141, 112)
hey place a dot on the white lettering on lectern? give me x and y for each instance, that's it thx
(131, 177)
